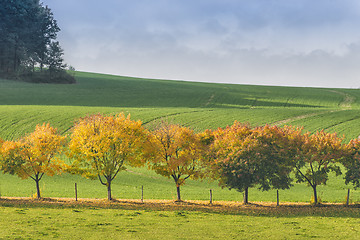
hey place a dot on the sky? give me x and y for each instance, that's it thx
(310, 43)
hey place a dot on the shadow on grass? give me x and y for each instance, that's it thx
(261, 209)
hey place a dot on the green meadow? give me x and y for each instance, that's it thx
(135, 182)
(24, 222)
(199, 106)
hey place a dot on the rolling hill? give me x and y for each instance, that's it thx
(193, 104)
(197, 105)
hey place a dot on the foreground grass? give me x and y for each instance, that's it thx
(29, 219)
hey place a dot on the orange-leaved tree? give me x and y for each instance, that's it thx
(352, 163)
(317, 155)
(101, 146)
(176, 152)
(34, 155)
(246, 157)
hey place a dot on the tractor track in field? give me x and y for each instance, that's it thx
(346, 104)
(210, 100)
(348, 100)
(165, 116)
(285, 121)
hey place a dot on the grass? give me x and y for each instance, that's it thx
(17, 120)
(196, 105)
(128, 185)
(115, 91)
(165, 220)
(344, 122)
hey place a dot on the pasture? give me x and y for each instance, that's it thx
(199, 106)
(128, 185)
(196, 105)
(60, 219)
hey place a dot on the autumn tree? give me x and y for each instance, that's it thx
(317, 155)
(352, 163)
(246, 157)
(101, 146)
(176, 152)
(34, 155)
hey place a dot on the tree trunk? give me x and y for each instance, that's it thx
(246, 196)
(37, 188)
(109, 190)
(315, 195)
(178, 193)
(348, 197)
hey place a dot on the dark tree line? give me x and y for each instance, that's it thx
(28, 46)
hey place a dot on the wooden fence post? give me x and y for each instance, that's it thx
(348, 197)
(142, 194)
(277, 198)
(211, 198)
(76, 195)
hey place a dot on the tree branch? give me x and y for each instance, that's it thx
(101, 181)
(304, 176)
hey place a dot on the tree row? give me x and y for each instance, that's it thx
(238, 156)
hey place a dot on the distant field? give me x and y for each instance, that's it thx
(115, 91)
(16, 120)
(196, 105)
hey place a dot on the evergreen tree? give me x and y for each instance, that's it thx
(28, 33)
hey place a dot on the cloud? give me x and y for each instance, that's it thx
(273, 42)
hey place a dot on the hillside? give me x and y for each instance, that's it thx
(198, 105)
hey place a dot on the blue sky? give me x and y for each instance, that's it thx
(265, 42)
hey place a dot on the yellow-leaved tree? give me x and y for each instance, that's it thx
(34, 155)
(101, 146)
(176, 152)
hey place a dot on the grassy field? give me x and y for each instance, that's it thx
(115, 91)
(128, 185)
(199, 106)
(196, 105)
(23, 219)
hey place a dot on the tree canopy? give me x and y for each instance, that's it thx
(34, 155)
(316, 156)
(101, 146)
(176, 152)
(28, 46)
(352, 163)
(246, 157)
